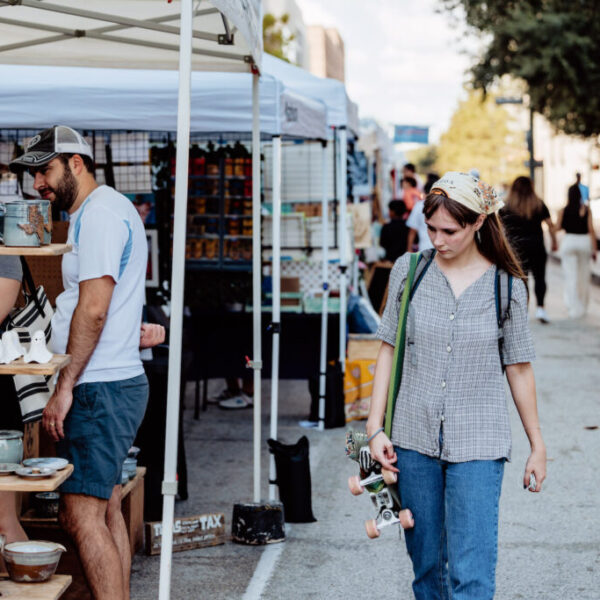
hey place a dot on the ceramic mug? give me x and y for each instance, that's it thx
(11, 446)
(23, 223)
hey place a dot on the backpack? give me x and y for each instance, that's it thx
(502, 290)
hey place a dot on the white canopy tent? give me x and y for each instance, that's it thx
(224, 35)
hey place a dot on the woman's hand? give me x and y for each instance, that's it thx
(536, 466)
(382, 450)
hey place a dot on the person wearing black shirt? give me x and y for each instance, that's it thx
(523, 215)
(394, 234)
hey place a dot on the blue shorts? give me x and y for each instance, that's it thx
(99, 430)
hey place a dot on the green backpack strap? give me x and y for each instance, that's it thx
(398, 361)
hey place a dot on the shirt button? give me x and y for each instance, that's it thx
(452, 316)
(443, 384)
(449, 348)
(443, 418)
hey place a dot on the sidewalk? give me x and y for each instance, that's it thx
(548, 542)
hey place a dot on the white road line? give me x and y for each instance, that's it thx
(264, 568)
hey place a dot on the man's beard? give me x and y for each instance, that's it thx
(66, 191)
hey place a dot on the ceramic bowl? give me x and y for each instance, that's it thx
(32, 561)
(130, 467)
(46, 504)
(133, 452)
(124, 477)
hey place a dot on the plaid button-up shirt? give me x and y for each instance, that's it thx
(452, 378)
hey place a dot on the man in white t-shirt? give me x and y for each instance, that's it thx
(101, 396)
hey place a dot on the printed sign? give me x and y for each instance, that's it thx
(188, 533)
(411, 133)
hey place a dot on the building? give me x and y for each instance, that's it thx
(326, 52)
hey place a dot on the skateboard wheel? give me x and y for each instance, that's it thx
(389, 477)
(407, 520)
(354, 485)
(371, 527)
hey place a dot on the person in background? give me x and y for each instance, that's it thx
(101, 395)
(523, 215)
(409, 170)
(394, 234)
(10, 415)
(416, 221)
(410, 193)
(577, 247)
(583, 189)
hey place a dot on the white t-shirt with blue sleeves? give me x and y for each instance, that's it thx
(108, 238)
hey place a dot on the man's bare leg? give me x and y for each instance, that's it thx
(118, 530)
(84, 519)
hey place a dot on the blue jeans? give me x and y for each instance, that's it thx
(454, 543)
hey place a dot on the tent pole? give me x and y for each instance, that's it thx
(355, 272)
(256, 363)
(325, 291)
(343, 237)
(276, 307)
(169, 484)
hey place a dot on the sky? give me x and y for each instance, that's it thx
(405, 63)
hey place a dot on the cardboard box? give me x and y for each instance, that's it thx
(363, 346)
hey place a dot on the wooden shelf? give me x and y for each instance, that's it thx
(18, 367)
(47, 590)
(48, 250)
(139, 474)
(14, 483)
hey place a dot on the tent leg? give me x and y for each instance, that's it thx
(276, 321)
(256, 363)
(325, 291)
(169, 485)
(343, 237)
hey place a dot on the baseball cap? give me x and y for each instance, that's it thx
(48, 144)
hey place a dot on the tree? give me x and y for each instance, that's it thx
(423, 158)
(276, 37)
(550, 44)
(481, 135)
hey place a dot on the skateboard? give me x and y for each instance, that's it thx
(379, 483)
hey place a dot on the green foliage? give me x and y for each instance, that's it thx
(553, 45)
(481, 135)
(276, 38)
(424, 158)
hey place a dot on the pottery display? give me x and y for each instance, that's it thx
(46, 504)
(23, 223)
(53, 462)
(133, 452)
(11, 446)
(8, 468)
(32, 561)
(11, 346)
(35, 472)
(37, 350)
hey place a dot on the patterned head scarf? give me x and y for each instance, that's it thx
(469, 191)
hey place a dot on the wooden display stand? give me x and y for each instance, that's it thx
(52, 589)
(132, 508)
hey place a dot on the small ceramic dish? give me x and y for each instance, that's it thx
(52, 462)
(46, 504)
(35, 472)
(8, 468)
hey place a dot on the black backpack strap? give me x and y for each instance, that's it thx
(29, 289)
(503, 293)
(425, 259)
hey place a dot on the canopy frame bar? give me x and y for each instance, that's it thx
(118, 19)
(93, 33)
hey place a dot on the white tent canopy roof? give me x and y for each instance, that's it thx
(341, 111)
(38, 97)
(129, 33)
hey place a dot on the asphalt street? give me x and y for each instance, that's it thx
(549, 543)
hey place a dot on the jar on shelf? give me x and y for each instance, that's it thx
(11, 446)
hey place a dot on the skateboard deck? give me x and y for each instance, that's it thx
(381, 485)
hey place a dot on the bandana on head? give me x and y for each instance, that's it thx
(469, 191)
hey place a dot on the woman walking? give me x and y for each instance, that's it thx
(523, 216)
(577, 247)
(450, 433)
